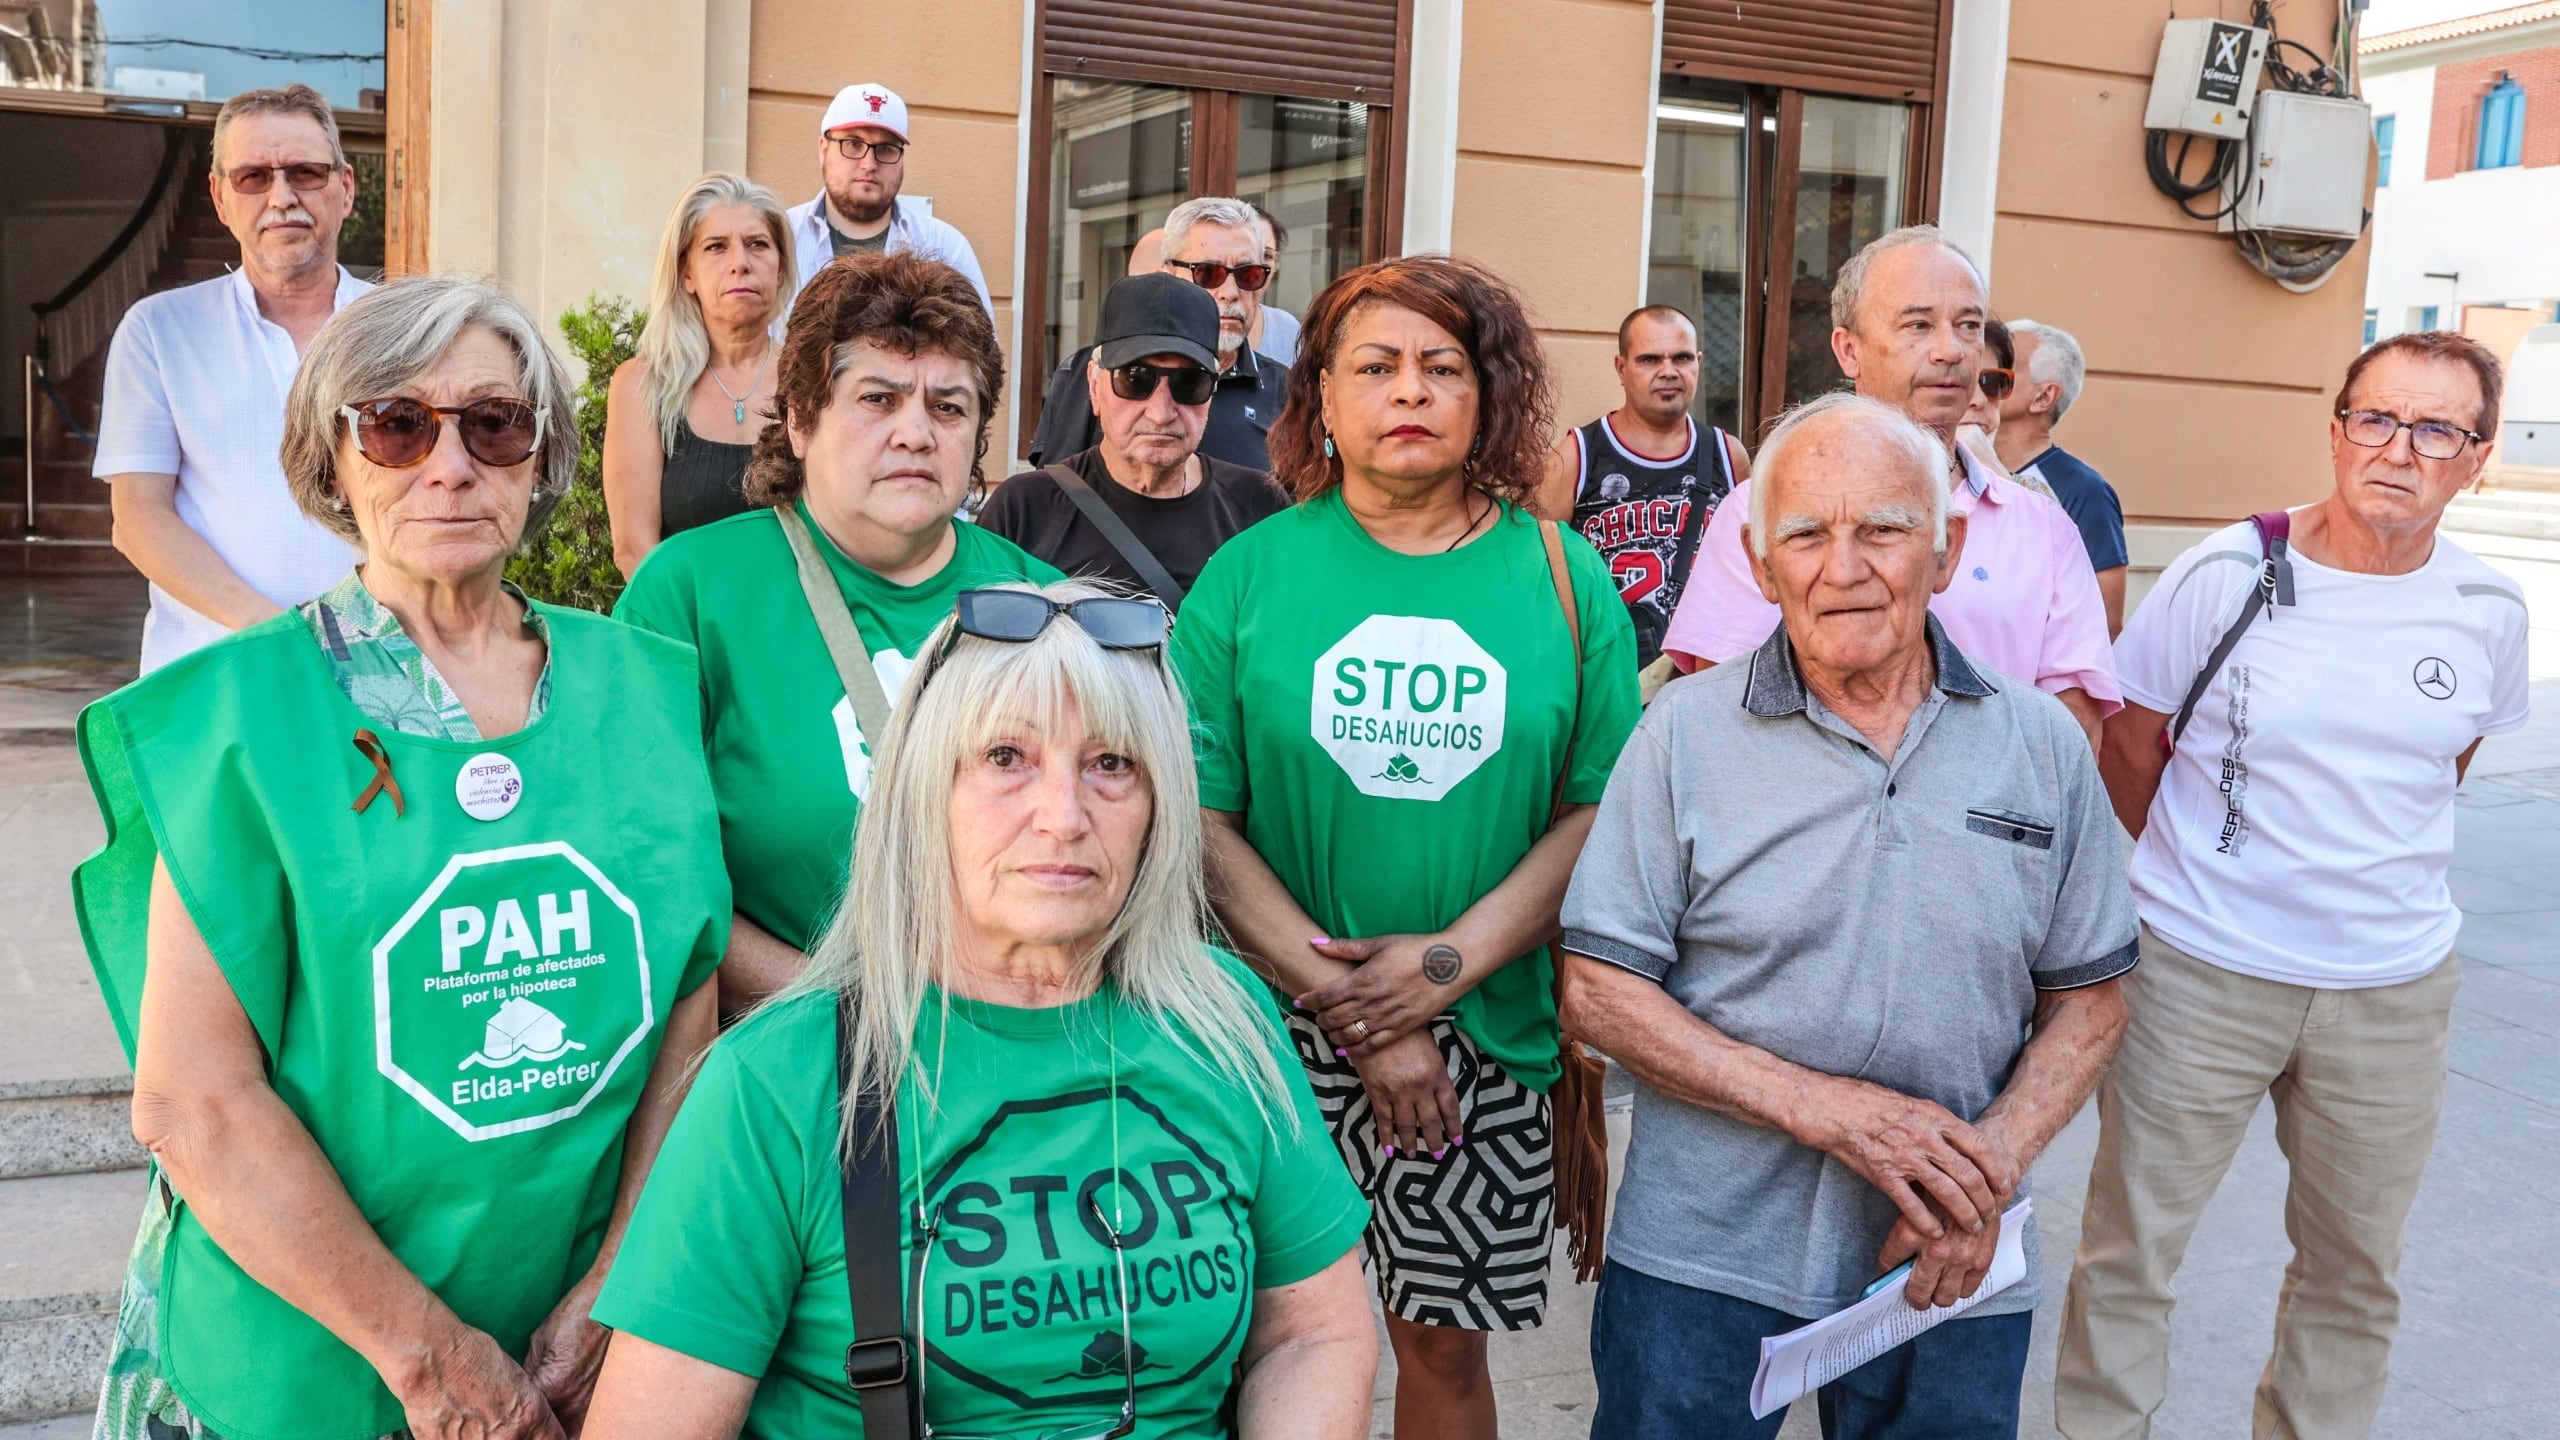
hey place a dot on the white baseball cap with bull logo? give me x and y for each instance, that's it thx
(866, 104)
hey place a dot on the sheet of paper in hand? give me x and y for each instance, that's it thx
(1800, 1362)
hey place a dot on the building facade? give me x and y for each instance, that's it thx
(1722, 155)
(2466, 117)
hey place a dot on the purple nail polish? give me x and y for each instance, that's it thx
(1391, 1152)
(1320, 940)
(1443, 1150)
(1457, 1139)
(1341, 1054)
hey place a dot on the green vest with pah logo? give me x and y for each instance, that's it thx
(459, 991)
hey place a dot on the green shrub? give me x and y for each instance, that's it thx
(571, 562)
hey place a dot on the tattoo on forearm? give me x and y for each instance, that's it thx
(1440, 964)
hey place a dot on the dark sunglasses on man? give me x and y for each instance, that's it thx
(398, 431)
(305, 176)
(1138, 380)
(1998, 383)
(1209, 274)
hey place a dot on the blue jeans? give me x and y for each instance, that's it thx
(1677, 1362)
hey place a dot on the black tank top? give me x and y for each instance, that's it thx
(1645, 515)
(703, 481)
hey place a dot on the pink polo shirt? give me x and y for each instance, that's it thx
(2024, 601)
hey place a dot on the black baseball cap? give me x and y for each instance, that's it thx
(1157, 315)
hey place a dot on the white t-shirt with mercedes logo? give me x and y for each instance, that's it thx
(2304, 825)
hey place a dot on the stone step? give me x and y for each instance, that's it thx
(2515, 520)
(64, 1240)
(67, 1127)
(61, 1427)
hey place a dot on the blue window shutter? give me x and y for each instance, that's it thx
(2501, 127)
(2382, 135)
(2372, 322)
(2427, 318)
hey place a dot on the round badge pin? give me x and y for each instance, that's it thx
(488, 787)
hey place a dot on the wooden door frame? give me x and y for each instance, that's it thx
(408, 84)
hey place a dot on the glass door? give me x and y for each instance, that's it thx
(1120, 158)
(1759, 197)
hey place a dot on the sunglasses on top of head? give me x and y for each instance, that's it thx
(1209, 274)
(398, 431)
(1016, 617)
(1138, 380)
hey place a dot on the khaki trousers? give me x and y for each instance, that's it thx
(2358, 1078)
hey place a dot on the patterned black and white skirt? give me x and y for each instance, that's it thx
(1460, 1241)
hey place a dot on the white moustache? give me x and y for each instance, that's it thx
(295, 216)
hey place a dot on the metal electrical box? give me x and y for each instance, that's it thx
(2207, 80)
(2305, 172)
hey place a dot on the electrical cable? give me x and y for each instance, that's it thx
(2298, 263)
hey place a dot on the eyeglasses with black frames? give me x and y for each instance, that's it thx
(854, 147)
(2431, 439)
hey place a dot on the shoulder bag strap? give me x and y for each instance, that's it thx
(879, 1364)
(1553, 534)
(1099, 514)
(2274, 586)
(835, 625)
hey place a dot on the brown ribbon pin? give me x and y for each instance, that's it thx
(369, 745)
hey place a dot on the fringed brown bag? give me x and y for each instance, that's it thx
(1581, 1127)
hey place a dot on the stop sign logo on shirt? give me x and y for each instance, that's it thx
(511, 991)
(1408, 706)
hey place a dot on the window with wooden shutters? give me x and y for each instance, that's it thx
(1289, 104)
(1321, 49)
(1886, 49)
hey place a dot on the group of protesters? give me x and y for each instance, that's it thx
(891, 976)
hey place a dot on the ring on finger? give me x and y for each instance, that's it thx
(1360, 1028)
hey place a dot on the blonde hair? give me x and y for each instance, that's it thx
(895, 935)
(674, 347)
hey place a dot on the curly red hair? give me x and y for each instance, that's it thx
(900, 302)
(1515, 405)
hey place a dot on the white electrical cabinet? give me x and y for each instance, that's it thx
(2207, 78)
(2307, 163)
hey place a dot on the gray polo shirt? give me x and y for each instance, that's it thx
(1890, 921)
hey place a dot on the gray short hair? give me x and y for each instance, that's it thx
(2057, 361)
(1209, 210)
(382, 341)
(1851, 287)
(299, 100)
(1924, 449)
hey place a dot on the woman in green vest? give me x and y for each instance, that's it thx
(405, 912)
(809, 609)
(1410, 693)
(1062, 1140)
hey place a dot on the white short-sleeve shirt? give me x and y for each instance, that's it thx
(2304, 825)
(195, 387)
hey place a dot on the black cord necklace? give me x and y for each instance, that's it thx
(1473, 520)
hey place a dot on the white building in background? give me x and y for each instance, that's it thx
(2466, 117)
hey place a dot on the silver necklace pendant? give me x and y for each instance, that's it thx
(738, 412)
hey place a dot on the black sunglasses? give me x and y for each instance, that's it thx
(1997, 383)
(1137, 380)
(1017, 617)
(1209, 274)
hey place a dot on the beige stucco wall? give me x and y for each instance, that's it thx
(959, 66)
(1555, 115)
(2209, 385)
(544, 170)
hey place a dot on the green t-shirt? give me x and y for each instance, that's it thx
(736, 1253)
(1392, 726)
(788, 759)
(843, 244)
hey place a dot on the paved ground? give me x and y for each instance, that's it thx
(2482, 1273)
